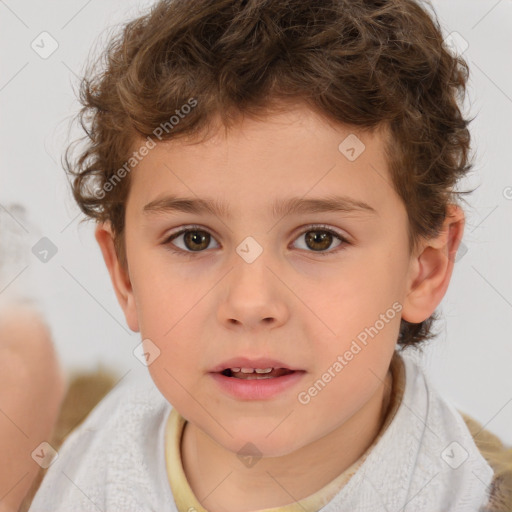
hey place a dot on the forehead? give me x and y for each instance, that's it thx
(292, 154)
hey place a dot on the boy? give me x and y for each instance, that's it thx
(273, 185)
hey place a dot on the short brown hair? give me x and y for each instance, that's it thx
(364, 63)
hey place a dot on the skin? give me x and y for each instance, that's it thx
(292, 303)
(33, 387)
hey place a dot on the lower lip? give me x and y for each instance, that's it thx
(257, 389)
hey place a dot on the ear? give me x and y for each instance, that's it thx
(431, 270)
(118, 274)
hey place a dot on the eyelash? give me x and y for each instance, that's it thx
(316, 227)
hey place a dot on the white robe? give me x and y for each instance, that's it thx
(425, 461)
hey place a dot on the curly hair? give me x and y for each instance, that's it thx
(363, 63)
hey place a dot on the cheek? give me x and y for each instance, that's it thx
(355, 297)
(360, 312)
(169, 310)
(162, 298)
(177, 369)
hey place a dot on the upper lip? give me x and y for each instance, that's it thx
(245, 362)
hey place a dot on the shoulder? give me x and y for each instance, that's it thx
(499, 457)
(112, 457)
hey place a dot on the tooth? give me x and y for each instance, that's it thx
(235, 369)
(247, 370)
(266, 370)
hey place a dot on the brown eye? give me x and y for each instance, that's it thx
(191, 240)
(194, 240)
(320, 239)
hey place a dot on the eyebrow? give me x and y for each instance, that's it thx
(283, 208)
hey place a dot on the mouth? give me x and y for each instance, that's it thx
(257, 381)
(256, 373)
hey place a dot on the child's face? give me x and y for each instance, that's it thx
(300, 306)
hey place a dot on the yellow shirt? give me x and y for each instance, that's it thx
(186, 500)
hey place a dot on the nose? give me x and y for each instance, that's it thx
(253, 297)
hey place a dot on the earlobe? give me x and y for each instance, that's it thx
(431, 270)
(118, 274)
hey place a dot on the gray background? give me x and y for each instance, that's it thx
(470, 361)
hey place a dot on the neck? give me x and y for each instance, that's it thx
(278, 481)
